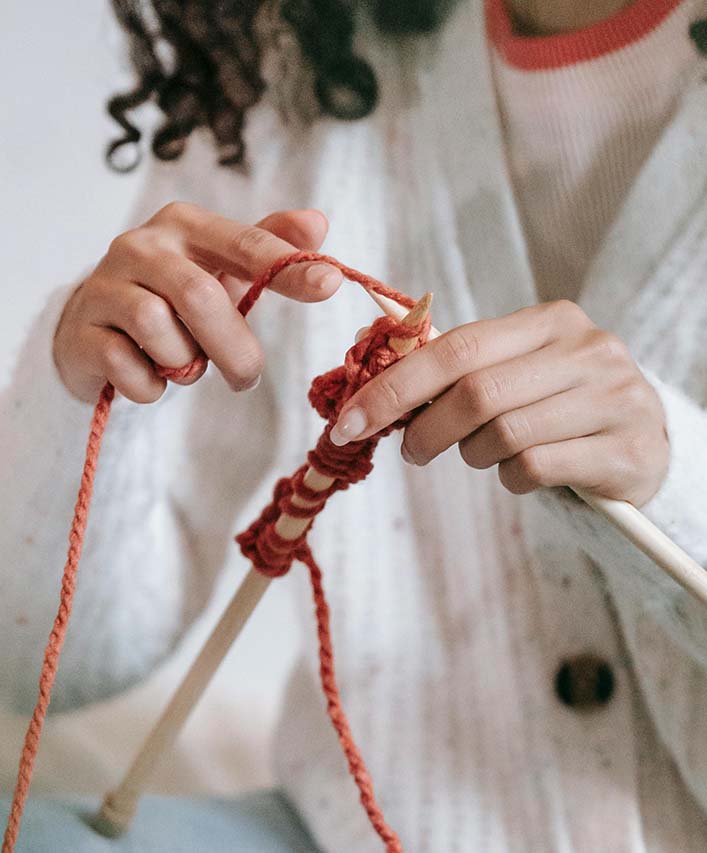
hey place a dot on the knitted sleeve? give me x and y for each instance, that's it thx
(680, 506)
(125, 589)
(171, 478)
(665, 628)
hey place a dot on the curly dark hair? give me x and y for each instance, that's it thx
(200, 62)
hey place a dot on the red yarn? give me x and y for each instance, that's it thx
(270, 554)
(56, 638)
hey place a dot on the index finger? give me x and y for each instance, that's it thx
(429, 371)
(246, 251)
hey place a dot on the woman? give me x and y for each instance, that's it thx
(519, 677)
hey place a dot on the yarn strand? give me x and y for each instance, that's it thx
(327, 675)
(260, 542)
(273, 555)
(61, 622)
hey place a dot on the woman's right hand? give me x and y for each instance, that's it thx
(167, 291)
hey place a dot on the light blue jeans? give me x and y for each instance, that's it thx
(258, 823)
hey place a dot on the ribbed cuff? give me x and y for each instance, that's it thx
(680, 506)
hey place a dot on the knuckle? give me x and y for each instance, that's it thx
(469, 387)
(481, 391)
(610, 347)
(123, 244)
(490, 390)
(637, 395)
(136, 243)
(199, 292)
(177, 212)
(568, 314)
(392, 396)
(80, 300)
(458, 350)
(508, 432)
(249, 241)
(152, 318)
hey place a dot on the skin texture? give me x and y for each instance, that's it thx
(168, 290)
(542, 393)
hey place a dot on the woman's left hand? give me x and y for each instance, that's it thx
(543, 393)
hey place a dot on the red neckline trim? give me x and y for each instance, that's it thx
(537, 53)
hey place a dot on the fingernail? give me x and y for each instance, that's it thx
(249, 387)
(349, 426)
(323, 276)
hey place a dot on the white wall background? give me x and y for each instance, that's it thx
(60, 206)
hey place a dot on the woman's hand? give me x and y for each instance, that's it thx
(542, 392)
(167, 291)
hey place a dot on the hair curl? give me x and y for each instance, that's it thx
(200, 62)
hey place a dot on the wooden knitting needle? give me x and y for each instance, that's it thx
(119, 806)
(665, 553)
(289, 527)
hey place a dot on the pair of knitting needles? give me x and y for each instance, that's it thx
(119, 806)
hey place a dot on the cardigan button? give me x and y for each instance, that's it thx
(584, 682)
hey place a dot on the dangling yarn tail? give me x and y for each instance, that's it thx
(327, 675)
(56, 638)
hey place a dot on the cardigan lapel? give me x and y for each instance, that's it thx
(657, 210)
(466, 124)
(490, 233)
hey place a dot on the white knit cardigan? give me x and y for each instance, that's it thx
(453, 601)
